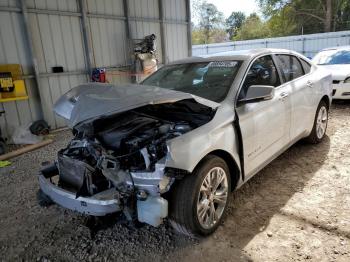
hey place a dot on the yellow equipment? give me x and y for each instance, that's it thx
(12, 86)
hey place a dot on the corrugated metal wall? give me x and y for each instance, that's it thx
(13, 51)
(56, 30)
(57, 41)
(308, 45)
(176, 44)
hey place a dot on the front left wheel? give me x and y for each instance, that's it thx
(199, 200)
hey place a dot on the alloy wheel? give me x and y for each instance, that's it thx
(212, 197)
(321, 123)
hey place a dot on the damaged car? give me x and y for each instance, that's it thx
(176, 145)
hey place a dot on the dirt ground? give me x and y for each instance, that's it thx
(297, 208)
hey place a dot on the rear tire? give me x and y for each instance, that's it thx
(199, 201)
(320, 124)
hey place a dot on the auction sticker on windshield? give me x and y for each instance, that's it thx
(223, 64)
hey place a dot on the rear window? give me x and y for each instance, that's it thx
(290, 66)
(306, 66)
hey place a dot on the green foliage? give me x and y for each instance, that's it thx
(234, 22)
(281, 18)
(209, 20)
(253, 28)
(210, 16)
(216, 36)
(210, 28)
(282, 23)
(311, 16)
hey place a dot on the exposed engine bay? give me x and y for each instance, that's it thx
(126, 153)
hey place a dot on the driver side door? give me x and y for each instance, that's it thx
(265, 124)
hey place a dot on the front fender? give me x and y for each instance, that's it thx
(186, 151)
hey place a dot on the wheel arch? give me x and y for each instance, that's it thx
(326, 99)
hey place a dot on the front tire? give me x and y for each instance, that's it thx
(320, 124)
(199, 200)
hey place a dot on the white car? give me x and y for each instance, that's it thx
(337, 61)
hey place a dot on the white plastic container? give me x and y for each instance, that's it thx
(152, 210)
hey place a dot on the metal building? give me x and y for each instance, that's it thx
(80, 35)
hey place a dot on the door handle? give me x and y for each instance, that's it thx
(309, 84)
(283, 95)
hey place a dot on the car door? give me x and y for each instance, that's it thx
(264, 125)
(301, 85)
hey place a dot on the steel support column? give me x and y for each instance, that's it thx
(86, 36)
(189, 27)
(162, 32)
(31, 50)
(127, 31)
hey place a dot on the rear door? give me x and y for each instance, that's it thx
(264, 125)
(300, 82)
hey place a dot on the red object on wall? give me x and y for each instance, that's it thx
(99, 75)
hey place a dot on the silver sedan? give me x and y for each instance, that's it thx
(177, 144)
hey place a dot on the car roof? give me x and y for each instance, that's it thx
(344, 47)
(234, 55)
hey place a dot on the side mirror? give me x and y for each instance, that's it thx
(257, 93)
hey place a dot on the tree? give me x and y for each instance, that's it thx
(252, 28)
(312, 15)
(282, 23)
(208, 23)
(209, 18)
(195, 4)
(234, 23)
(216, 36)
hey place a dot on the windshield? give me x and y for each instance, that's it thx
(332, 57)
(210, 80)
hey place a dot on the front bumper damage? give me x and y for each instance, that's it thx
(150, 208)
(94, 206)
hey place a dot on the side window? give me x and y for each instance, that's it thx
(262, 72)
(290, 66)
(306, 66)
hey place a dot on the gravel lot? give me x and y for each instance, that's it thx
(297, 208)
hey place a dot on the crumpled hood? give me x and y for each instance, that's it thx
(92, 100)
(339, 72)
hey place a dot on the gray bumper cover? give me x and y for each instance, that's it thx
(85, 205)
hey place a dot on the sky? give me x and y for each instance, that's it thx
(228, 6)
